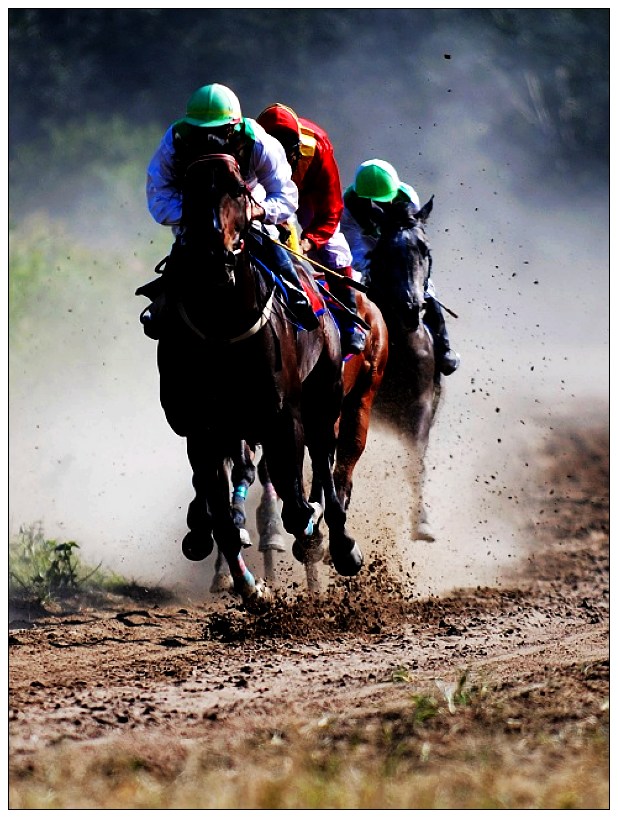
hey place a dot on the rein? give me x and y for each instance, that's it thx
(261, 321)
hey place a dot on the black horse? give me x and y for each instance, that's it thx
(234, 367)
(410, 392)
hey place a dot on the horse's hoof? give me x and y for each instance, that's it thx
(315, 520)
(245, 538)
(349, 562)
(308, 549)
(221, 583)
(424, 532)
(260, 599)
(197, 547)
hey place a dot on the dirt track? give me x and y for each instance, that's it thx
(157, 675)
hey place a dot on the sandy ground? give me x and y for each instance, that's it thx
(157, 673)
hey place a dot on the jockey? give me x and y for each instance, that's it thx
(376, 185)
(214, 124)
(314, 170)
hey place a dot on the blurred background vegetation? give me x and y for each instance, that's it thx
(85, 83)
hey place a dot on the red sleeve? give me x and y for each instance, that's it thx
(322, 187)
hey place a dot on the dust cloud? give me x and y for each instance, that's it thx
(525, 269)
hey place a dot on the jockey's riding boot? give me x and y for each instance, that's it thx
(353, 337)
(353, 341)
(153, 318)
(297, 299)
(446, 359)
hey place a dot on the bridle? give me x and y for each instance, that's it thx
(231, 254)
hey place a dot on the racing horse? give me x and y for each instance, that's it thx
(410, 393)
(233, 367)
(362, 376)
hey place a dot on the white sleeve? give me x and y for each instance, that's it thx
(272, 175)
(360, 244)
(162, 191)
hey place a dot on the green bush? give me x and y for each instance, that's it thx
(42, 570)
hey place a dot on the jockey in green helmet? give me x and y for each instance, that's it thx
(213, 123)
(376, 185)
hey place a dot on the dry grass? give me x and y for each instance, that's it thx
(382, 759)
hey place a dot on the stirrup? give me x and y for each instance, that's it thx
(449, 362)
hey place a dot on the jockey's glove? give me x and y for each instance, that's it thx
(257, 212)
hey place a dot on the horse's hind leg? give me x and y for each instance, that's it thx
(320, 434)
(243, 477)
(268, 514)
(344, 551)
(285, 451)
(222, 578)
(352, 436)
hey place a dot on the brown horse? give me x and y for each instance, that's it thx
(362, 376)
(405, 395)
(234, 367)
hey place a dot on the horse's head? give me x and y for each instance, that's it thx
(401, 263)
(215, 214)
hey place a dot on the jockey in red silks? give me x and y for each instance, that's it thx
(320, 205)
(214, 124)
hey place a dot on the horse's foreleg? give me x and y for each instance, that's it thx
(211, 480)
(421, 528)
(198, 542)
(352, 439)
(421, 417)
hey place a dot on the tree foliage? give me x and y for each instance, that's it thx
(142, 64)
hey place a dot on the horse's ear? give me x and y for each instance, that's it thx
(425, 210)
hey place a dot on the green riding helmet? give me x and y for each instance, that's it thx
(212, 106)
(407, 193)
(377, 180)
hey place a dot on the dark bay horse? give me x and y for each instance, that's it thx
(234, 367)
(411, 389)
(404, 395)
(362, 376)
